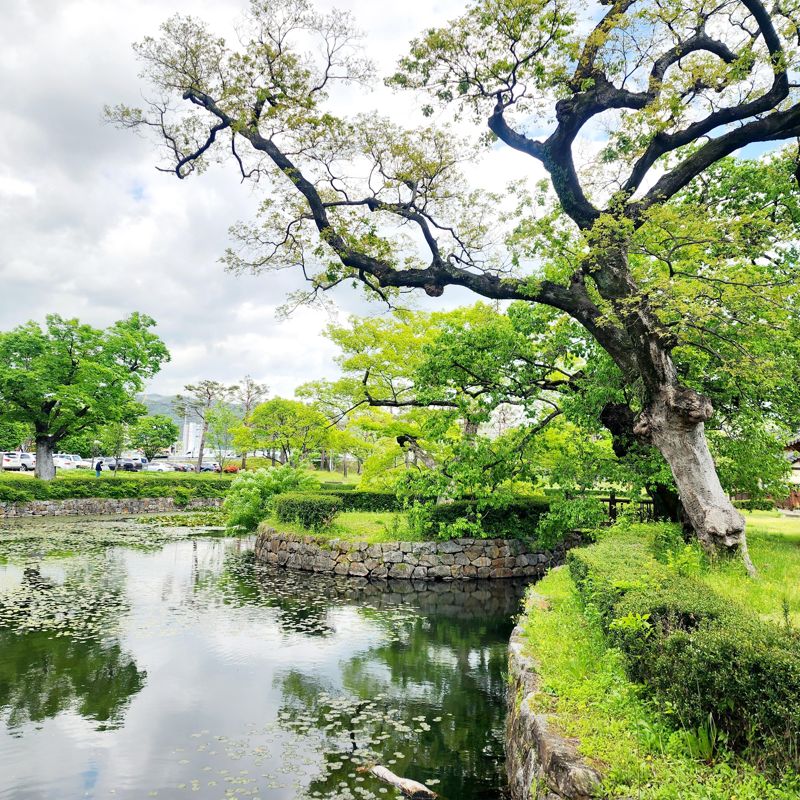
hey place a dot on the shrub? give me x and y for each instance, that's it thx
(755, 505)
(701, 656)
(356, 500)
(518, 519)
(313, 511)
(231, 469)
(342, 487)
(182, 496)
(251, 494)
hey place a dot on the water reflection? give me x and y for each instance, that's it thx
(208, 674)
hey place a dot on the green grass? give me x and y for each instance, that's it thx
(586, 694)
(360, 526)
(774, 544)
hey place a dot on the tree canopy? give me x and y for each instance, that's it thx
(67, 377)
(637, 240)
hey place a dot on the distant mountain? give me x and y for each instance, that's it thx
(160, 404)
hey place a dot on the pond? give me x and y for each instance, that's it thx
(140, 661)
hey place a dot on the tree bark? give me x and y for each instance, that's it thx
(45, 469)
(674, 423)
(201, 446)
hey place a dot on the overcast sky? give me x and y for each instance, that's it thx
(89, 228)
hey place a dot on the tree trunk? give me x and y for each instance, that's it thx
(244, 461)
(201, 446)
(674, 415)
(674, 423)
(45, 469)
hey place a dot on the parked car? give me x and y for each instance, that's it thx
(125, 465)
(184, 467)
(160, 466)
(210, 466)
(19, 461)
(63, 461)
(139, 462)
(79, 461)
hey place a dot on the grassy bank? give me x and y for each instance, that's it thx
(356, 526)
(635, 734)
(774, 543)
(587, 695)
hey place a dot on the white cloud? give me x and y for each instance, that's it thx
(89, 228)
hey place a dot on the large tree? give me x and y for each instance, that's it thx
(681, 86)
(289, 427)
(67, 377)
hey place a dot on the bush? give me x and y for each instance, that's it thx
(356, 500)
(702, 657)
(70, 485)
(516, 520)
(251, 493)
(313, 511)
(755, 505)
(343, 487)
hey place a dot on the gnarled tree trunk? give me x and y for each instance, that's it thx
(674, 416)
(674, 423)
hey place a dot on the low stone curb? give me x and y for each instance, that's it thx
(541, 765)
(454, 559)
(99, 506)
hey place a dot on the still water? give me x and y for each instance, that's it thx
(141, 662)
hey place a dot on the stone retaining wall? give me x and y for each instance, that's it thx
(456, 559)
(541, 765)
(96, 506)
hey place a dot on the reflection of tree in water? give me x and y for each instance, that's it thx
(42, 675)
(430, 704)
(55, 649)
(304, 600)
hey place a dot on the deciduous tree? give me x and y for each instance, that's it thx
(682, 86)
(67, 377)
(153, 434)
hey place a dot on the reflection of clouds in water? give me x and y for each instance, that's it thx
(227, 647)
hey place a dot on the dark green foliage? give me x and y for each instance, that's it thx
(365, 501)
(313, 511)
(19, 489)
(337, 485)
(516, 520)
(700, 656)
(764, 504)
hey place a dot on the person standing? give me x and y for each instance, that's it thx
(98, 466)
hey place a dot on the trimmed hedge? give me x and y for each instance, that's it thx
(18, 489)
(313, 511)
(700, 656)
(517, 520)
(338, 485)
(357, 500)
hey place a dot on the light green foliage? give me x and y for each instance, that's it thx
(291, 428)
(68, 377)
(250, 497)
(153, 434)
(223, 421)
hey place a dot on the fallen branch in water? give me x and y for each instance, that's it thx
(412, 789)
